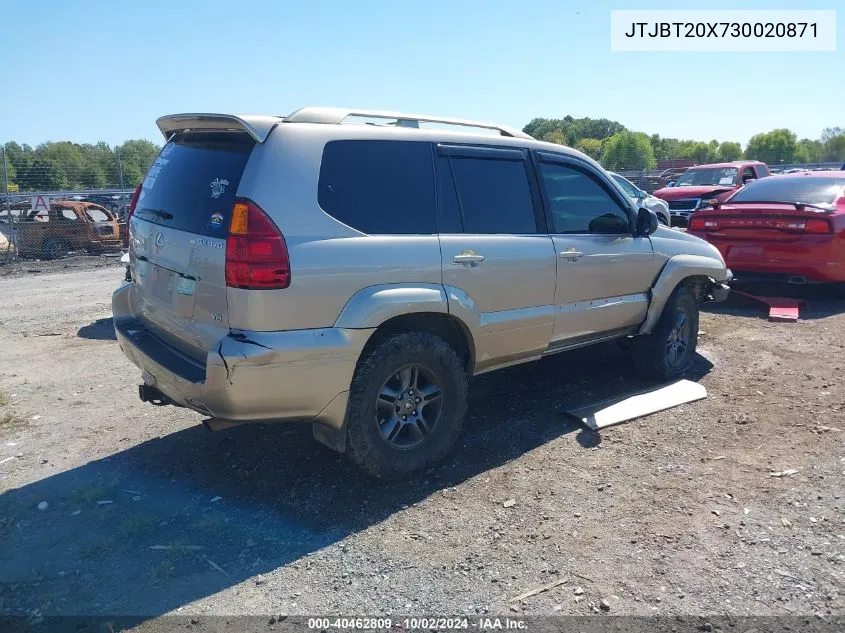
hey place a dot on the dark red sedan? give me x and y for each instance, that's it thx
(783, 228)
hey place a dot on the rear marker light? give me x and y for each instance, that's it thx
(256, 253)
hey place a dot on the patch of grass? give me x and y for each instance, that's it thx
(4, 398)
(162, 571)
(10, 418)
(135, 526)
(96, 491)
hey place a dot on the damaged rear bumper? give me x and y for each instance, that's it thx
(253, 376)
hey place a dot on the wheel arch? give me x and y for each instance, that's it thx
(694, 271)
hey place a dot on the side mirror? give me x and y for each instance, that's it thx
(646, 222)
(671, 183)
(747, 180)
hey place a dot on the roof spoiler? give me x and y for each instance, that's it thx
(258, 127)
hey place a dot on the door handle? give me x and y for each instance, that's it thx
(468, 258)
(571, 254)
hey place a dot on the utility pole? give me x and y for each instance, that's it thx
(8, 202)
(119, 167)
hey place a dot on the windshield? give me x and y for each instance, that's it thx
(701, 177)
(809, 190)
(629, 189)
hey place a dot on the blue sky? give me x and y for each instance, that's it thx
(93, 70)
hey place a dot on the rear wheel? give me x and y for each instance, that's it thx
(406, 406)
(669, 351)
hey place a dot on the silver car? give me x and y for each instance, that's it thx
(644, 199)
(357, 275)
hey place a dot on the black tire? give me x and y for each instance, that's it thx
(652, 353)
(371, 412)
(52, 248)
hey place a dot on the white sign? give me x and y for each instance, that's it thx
(41, 203)
(723, 30)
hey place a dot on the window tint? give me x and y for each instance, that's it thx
(494, 195)
(747, 173)
(379, 187)
(449, 212)
(579, 204)
(191, 185)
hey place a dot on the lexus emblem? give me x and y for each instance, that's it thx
(159, 241)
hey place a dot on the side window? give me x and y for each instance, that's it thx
(747, 173)
(69, 214)
(97, 215)
(762, 171)
(580, 204)
(493, 195)
(379, 187)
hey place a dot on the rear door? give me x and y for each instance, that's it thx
(495, 250)
(178, 238)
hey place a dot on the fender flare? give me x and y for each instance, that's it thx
(373, 305)
(675, 270)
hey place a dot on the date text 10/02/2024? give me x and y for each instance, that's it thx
(411, 624)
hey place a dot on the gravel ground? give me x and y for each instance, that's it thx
(110, 506)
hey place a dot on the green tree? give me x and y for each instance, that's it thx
(834, 148)
(809, 151)
(628, 150)
(592, 147)
(729, 151)
(136, 157)
(773, 147)
(699, 151)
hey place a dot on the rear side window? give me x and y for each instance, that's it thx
(492, 196)
(191, 185)
(762, 171)
(379, 187)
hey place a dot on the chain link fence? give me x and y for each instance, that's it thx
(49, 208)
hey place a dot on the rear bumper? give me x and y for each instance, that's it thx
(816, 259)
(249, 376)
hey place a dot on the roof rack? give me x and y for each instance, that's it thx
(313, 114)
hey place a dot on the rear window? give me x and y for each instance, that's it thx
(379, 187)
(821, 191)
(191, 185)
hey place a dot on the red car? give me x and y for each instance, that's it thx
(782, 228)
(705, 182)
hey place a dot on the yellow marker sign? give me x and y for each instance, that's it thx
(14, 188)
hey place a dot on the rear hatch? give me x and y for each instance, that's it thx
(178, 238)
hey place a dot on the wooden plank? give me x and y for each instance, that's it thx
(607, 413)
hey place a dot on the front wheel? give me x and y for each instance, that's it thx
(406, 405)
(669, 351)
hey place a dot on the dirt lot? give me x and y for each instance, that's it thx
(145, 512)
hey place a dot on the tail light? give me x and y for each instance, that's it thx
(817, 226)
(256, 253)
(697, 223)
(129, 213)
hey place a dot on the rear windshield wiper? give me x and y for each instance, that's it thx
(159, 213)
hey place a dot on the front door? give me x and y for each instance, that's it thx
(498, 261)
(604, 273)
